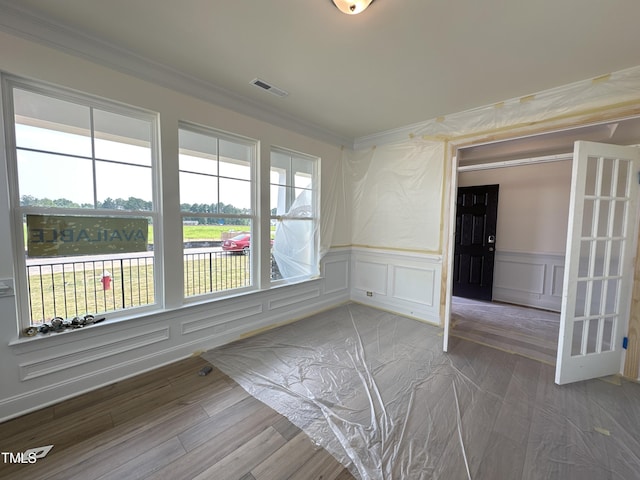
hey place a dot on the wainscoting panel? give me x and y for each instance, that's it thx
(336, 274)
(45, 370)
(413, 284)
(84, 354)
(372, 277)
(222, 317)
(531, 279)
(401, 282)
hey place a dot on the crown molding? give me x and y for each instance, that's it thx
(25, 24)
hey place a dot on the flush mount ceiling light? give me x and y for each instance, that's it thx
(352, 7)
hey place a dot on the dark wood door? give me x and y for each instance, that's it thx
(474, 253)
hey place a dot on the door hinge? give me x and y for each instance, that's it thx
(625, 342)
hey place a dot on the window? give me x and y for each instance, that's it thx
(217, 204)
(83, 200)
(294, 207)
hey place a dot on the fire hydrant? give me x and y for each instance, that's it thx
(106, 280)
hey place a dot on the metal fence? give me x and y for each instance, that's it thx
(209, 271)
(68, 288)
(71, 288)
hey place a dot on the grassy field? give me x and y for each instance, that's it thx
(76, 289)
(79, 289)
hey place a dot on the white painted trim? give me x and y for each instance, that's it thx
(515, 163)
(400, 282)
(45, 371)
(447, 274)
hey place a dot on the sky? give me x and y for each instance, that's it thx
(65, 175)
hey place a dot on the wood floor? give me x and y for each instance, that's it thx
(475, 412)
(170, 423)
(406, 410)
(530, 332)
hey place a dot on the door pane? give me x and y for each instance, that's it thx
(603, 218)
(587, 218)
(592, 176)
(618, 222)
(623, 178)
(576, 338)
(581, 299)
(596, 297)
(611, 301)
(607, 177)
(607, 335)
(600, 258)
(585, 256)
(592, 335)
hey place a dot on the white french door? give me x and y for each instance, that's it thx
(599, 262)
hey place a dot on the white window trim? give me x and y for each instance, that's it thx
(9, 82)
(254, 217)
(315, 188)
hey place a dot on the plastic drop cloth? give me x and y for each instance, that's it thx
(397, 188)
(295, 239)
(376, 391)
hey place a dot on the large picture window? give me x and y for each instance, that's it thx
(294, 212)
(217, 203)
(85, 170)
(84, 187)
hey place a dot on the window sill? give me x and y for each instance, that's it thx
(132, 319)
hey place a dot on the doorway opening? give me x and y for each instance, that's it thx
(525, 321)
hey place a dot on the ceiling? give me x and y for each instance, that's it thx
(400, 62)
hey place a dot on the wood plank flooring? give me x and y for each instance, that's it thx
(477, 413)
(529, 332)
(170, 423)
(409, 411)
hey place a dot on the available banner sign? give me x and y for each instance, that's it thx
(62, 236)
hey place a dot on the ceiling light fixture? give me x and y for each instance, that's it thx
(352, 7)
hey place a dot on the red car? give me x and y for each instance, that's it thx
(238, 244)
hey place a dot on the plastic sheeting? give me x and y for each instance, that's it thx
(397, 196)
(295, 239)
(397, 188)
(376, 391)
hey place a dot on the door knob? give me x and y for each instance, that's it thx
(491, 239)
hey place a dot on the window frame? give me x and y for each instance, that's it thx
(254, 217)
(8, 84)
(290, 199)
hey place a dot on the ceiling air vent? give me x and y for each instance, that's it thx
(268, 87)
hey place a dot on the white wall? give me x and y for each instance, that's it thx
(533, 205)
(35, 372)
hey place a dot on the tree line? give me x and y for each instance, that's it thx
(138, 204)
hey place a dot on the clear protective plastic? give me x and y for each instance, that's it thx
(397, 188)
(377, 392)
(295, 239)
